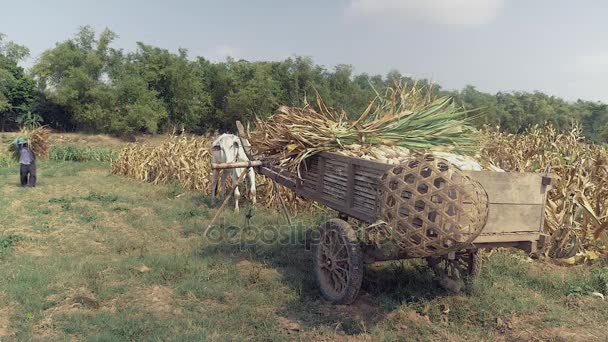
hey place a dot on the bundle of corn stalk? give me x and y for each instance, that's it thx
(577, 208)
(37, 139)
(186, 159)
(404, 119)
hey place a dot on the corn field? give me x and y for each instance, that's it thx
(577, 208)
(186, 159)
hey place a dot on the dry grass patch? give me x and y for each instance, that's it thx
(255, 271)
(156, 299)
(6, 313)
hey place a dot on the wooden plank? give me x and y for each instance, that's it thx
(279, 178)
(511, 187)
(365, 199)
(372, 175)
(310, 168)
(507, 218)
(364, 207)
(365, 196)
(515, 237)
(357, 161)
(336, 163)
(330, 184)
(244, 141)
(333, 181)
(235, 165)
(371, 197)
(361, 199)
(350, 185)
(321, 173)
(366, 188)
(334, 193)
(336, 179)
(358, 214)
(367, 179)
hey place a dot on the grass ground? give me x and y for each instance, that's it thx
(88, 255)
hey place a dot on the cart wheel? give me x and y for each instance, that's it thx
(459, 272)
(338, 262)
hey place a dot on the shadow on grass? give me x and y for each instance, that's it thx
(385, 287)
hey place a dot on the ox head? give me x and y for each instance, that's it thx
(227, 148)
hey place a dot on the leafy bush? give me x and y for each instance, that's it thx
(81, 153)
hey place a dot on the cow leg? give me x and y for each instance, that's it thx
(251, 176)
(223, 183)
(214, 178)
(237, 193)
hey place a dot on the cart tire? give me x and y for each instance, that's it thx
(458, 273)
(338, 262)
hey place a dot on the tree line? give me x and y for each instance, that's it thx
(83, 83)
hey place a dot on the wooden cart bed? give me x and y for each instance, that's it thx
(349, 185)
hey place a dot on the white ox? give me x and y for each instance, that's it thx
(227, 149)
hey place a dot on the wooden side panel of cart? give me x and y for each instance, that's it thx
(349, 185)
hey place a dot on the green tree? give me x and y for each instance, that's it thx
(16, 87)
(93, 83)
(178, 82)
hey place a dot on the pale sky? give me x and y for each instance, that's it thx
(556, 46)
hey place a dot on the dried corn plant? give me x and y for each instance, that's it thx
(402, 117)
(179, 158)
(577, 208)
(186, 159)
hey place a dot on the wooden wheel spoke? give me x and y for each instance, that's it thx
(326, 251)
(339, 262)
(336, 282)
(335, 243)
(342, 277)
(342, 270)
(339, 251)
(326, 240)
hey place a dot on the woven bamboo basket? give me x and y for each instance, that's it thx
(428, 207)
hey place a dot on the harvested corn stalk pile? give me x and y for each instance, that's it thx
(179, 158)
(394, 128)
(186, 159)
(38, 140)
(577, 208)
(403, 118)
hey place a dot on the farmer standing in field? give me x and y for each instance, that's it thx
(27, 163)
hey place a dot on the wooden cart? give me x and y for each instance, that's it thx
(350, 186)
